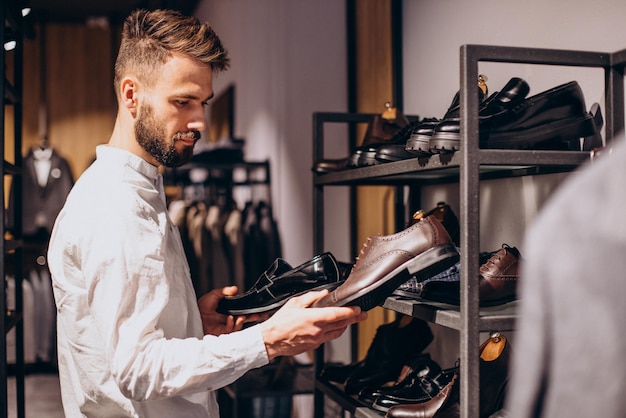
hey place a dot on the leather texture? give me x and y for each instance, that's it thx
(281, 282)
(445, 398)
(386, 356)
(419, 387)
(553, 119)
(379, 131)
(419, 141)
(497, 281)
(385, 262)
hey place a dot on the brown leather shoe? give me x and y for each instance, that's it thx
(447, 397)
(385, 262)
(330, 165)
(497, 282)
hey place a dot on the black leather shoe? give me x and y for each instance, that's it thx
(419, 141)
(379, 130)
(387, 151)
(420, 387)
(282, 282)
(554, 119)
(393, 344)
(417, 368)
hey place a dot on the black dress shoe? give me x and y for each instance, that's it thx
(420, 369)
(379, 131)
(282, 282)
(511, 94)
(388, 151)
(419, 141)
(418, 388)
(554, 119)
(393, 344)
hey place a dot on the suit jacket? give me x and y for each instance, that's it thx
(41, 205)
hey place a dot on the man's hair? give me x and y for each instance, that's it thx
(150, 37)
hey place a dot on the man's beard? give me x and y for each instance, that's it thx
(151, 135)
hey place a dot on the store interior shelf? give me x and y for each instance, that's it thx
(445, 168)
(501, 317)
(348, 403)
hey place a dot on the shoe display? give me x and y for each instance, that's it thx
(448, 396)
(393, 344)
(554, 119)
(418, 387)
(422, 250)
(381, 129)
(495, 355)
(419, 141)
(281, 282)
(388, 151)
(414, 289)
(497, 281)
(413, 366)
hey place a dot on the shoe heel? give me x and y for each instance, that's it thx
(433, 261)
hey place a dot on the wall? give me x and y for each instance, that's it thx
(288, 60)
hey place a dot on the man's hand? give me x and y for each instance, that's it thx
(296, 328)
(215, 323)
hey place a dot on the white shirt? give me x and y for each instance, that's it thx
(130, 339)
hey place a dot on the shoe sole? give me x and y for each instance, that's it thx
(278, 304)
(419, 144)
(565, 130)
(430, 262)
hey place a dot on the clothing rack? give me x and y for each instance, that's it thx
(227, 226)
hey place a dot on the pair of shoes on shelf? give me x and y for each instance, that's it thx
(393, 344)
(381, 128)
(424, 381)
(497, 280)
(555, 119)
(281, 282)
(494, 369)
(421, 250)
(419, 141)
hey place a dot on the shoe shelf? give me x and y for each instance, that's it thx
(501, 317)
(350, 404)
(466, 167)
(445, 168)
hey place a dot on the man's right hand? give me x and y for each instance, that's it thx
(296, 328)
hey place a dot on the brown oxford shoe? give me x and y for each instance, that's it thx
(421, 251)
(497, 281)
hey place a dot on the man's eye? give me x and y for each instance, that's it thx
(182, 102)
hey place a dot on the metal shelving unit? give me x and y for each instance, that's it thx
(467, 167)
(11, 244)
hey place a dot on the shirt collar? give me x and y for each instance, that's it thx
(112, 154)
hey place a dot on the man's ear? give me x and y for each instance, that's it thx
(130, 98)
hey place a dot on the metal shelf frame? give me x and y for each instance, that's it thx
(467, 167)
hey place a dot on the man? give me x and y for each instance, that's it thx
(133, 341)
